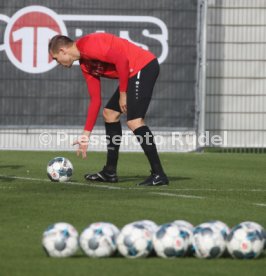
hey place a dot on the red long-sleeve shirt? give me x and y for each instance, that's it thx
(106, 55)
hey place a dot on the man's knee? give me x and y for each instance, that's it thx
(136, 123)
(110, 115)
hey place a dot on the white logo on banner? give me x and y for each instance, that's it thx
(27, 36)
(29, 30)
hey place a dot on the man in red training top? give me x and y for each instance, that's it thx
(106, 55)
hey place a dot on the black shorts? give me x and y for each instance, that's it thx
(139, 92)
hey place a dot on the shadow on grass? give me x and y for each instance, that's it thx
(139, 178)
(154, 256)
(13, 167)
(9, 178)
(115, 256)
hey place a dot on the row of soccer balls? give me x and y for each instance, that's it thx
(142, 238)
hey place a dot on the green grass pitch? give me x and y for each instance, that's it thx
(228, 187)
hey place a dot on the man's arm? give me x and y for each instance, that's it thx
(94, 90)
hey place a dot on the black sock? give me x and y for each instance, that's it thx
(113, 139)
(146, 140)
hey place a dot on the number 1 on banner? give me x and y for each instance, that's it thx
(34, 41)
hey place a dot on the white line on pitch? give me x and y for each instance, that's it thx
(66, 183)
(176, 195)
(212, 190)
(110, 187)
(260, 204)
(96, 186)
(23, 178)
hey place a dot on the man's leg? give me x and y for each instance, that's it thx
(146, 140)
(113, 130)
(140, 90)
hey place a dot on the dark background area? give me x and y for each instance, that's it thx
(59, 96)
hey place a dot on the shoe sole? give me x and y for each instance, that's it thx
(100, 180)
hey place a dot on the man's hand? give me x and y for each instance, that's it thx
(123, 101)
(82, 142)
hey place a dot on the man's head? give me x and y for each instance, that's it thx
(63, 50)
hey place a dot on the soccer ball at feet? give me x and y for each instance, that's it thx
(59, 169)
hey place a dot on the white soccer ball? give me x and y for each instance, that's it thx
(60, 240)
(259, 227)
(245, 241)
(135, 241)
(99, 240)
(221, 226)
(184, 223)
(208, 241)
(189, 228)
(59, 169)
(171, 241)
(149, 224)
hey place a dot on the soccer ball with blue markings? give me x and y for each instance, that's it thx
(59, 169)
(171, 241)
(99, 239)
(260, 229)
(148, 224)
(245, 241)
(189, 228)
(184, 223)
(135, 241)
(208, 241)
(220, 226)
(60, 240)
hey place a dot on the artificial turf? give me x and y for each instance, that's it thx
(207, 186)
